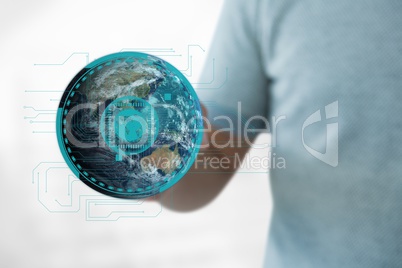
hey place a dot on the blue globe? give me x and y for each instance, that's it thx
(129, 125)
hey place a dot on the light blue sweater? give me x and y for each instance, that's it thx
(334, 70)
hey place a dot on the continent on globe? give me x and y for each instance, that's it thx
(162, 158)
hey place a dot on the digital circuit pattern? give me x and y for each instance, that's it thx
(58, 188)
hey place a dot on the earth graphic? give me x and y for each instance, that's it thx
(129, 125)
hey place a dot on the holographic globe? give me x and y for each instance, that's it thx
(129, 125)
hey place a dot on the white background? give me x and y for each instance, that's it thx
(229, 232)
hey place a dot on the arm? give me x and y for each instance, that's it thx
(233, 74)
(206, 178)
